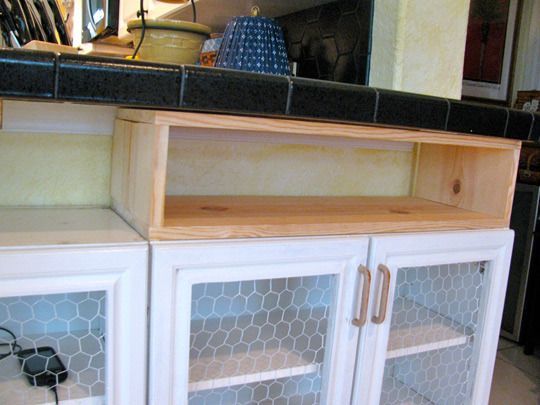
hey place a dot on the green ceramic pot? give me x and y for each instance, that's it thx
(169, 41)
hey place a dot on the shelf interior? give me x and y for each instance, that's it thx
(261, 357)
(192, 217)
(429, 330)
(396, 393)
(75, 389)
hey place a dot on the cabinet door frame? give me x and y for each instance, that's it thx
(176, 266)
(409, 250)
(120, 271)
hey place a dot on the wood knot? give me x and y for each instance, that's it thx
(395, 211)
(456, 187)
(214, 208)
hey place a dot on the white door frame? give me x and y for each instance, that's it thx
(120, 271)
(176, 266)
(398, 251)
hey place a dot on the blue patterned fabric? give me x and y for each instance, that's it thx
(255, 44)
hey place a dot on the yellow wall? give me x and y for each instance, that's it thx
(419, 46)
(241, 168)
(50, 169)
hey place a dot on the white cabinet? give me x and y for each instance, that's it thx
(245, 322)
(303, 321)
(86, 300)
(433, 337)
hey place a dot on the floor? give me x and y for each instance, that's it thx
(516, 380)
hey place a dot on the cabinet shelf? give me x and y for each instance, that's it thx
(428, 331)
(264, 365)
(266, 359)
(199, 217)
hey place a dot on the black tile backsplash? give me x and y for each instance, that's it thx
(109, 80)
(37, 75)
(332, 41)
(27, 74)
(212, 89)
(332, 101)
(411, 110)
(477, 119)
(519, 124)
(535, 131)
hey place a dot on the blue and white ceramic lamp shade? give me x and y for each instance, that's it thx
(254, 44)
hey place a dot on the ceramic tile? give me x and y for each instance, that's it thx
(477, 118)
(535, 132)
(505, 344)
(212, 89)
(319, 99)
(519, 124)
(31, 74)
(27, 73)
(407, 109)
(511, 386)
(118, 81)
(332, 41)
(515, 356)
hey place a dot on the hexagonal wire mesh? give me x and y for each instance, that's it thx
(73, 324)
(431, 347)
(259, 341)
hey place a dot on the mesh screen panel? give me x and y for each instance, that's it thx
(259, 341)
(73, 324)
(435, 317)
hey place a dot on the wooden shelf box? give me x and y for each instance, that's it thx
(459, 181)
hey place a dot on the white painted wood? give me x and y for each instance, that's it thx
(196, 134)
(21, 227)
(177, 266)
(57, 118)
(399, 251)
(121, 272)
(429, 331)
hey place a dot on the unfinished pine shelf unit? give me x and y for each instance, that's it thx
(459, 181)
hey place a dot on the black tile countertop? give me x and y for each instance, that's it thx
(46, 75)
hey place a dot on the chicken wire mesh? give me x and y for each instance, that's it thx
(435, 317)
(73, 324)
(259, 341)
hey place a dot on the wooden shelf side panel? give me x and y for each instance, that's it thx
(139, 165)
(476, 179)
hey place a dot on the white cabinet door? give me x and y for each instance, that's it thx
(434, 335)
(88, 304)
(249, 322)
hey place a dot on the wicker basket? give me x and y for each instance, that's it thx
(529, 165)
(525, 97)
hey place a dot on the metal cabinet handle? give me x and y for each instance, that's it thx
(381, 316)
(361, 320)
